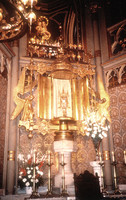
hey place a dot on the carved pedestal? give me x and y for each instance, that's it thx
(64, 147)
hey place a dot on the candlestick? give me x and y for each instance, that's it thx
(115, 178)
(49, 193)
(34, 172)
(34, 157)
(125, 157)
(49, 179)
(34, 193)
(64, 192)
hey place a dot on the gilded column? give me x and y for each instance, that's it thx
(12, 133)
(99, 73)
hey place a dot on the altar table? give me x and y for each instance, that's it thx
(23, 197)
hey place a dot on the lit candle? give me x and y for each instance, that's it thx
(79, 46)
(125, 157)
(113, 157)
(73, 56)
(79, 57)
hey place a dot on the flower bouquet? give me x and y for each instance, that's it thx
(30, 172)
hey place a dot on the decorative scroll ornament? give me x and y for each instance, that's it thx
(62, 64)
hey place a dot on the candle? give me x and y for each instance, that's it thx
(79, 57)
(49, 171)
(34, 157)
(34, 172)
(79, 46)
(49, 158)
(113, 157)
(62, 158)
(100, 157)
(125, 157)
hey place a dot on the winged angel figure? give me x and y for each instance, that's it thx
(23, 104)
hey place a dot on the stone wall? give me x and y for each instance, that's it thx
(3, 97)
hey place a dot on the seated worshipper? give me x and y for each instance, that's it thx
(87, 187)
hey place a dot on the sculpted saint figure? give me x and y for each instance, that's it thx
(42, 29)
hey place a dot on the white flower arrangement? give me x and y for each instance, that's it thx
(26, 172)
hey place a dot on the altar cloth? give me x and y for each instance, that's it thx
(27, 197)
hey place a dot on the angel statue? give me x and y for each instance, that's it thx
(24, 105)
(28, 112)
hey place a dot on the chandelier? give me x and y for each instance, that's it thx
(15, 15)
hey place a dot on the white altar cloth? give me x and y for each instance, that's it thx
(23, 196)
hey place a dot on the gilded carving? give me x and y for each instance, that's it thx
(41, 28)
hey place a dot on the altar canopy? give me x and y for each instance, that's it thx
(58, 97)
